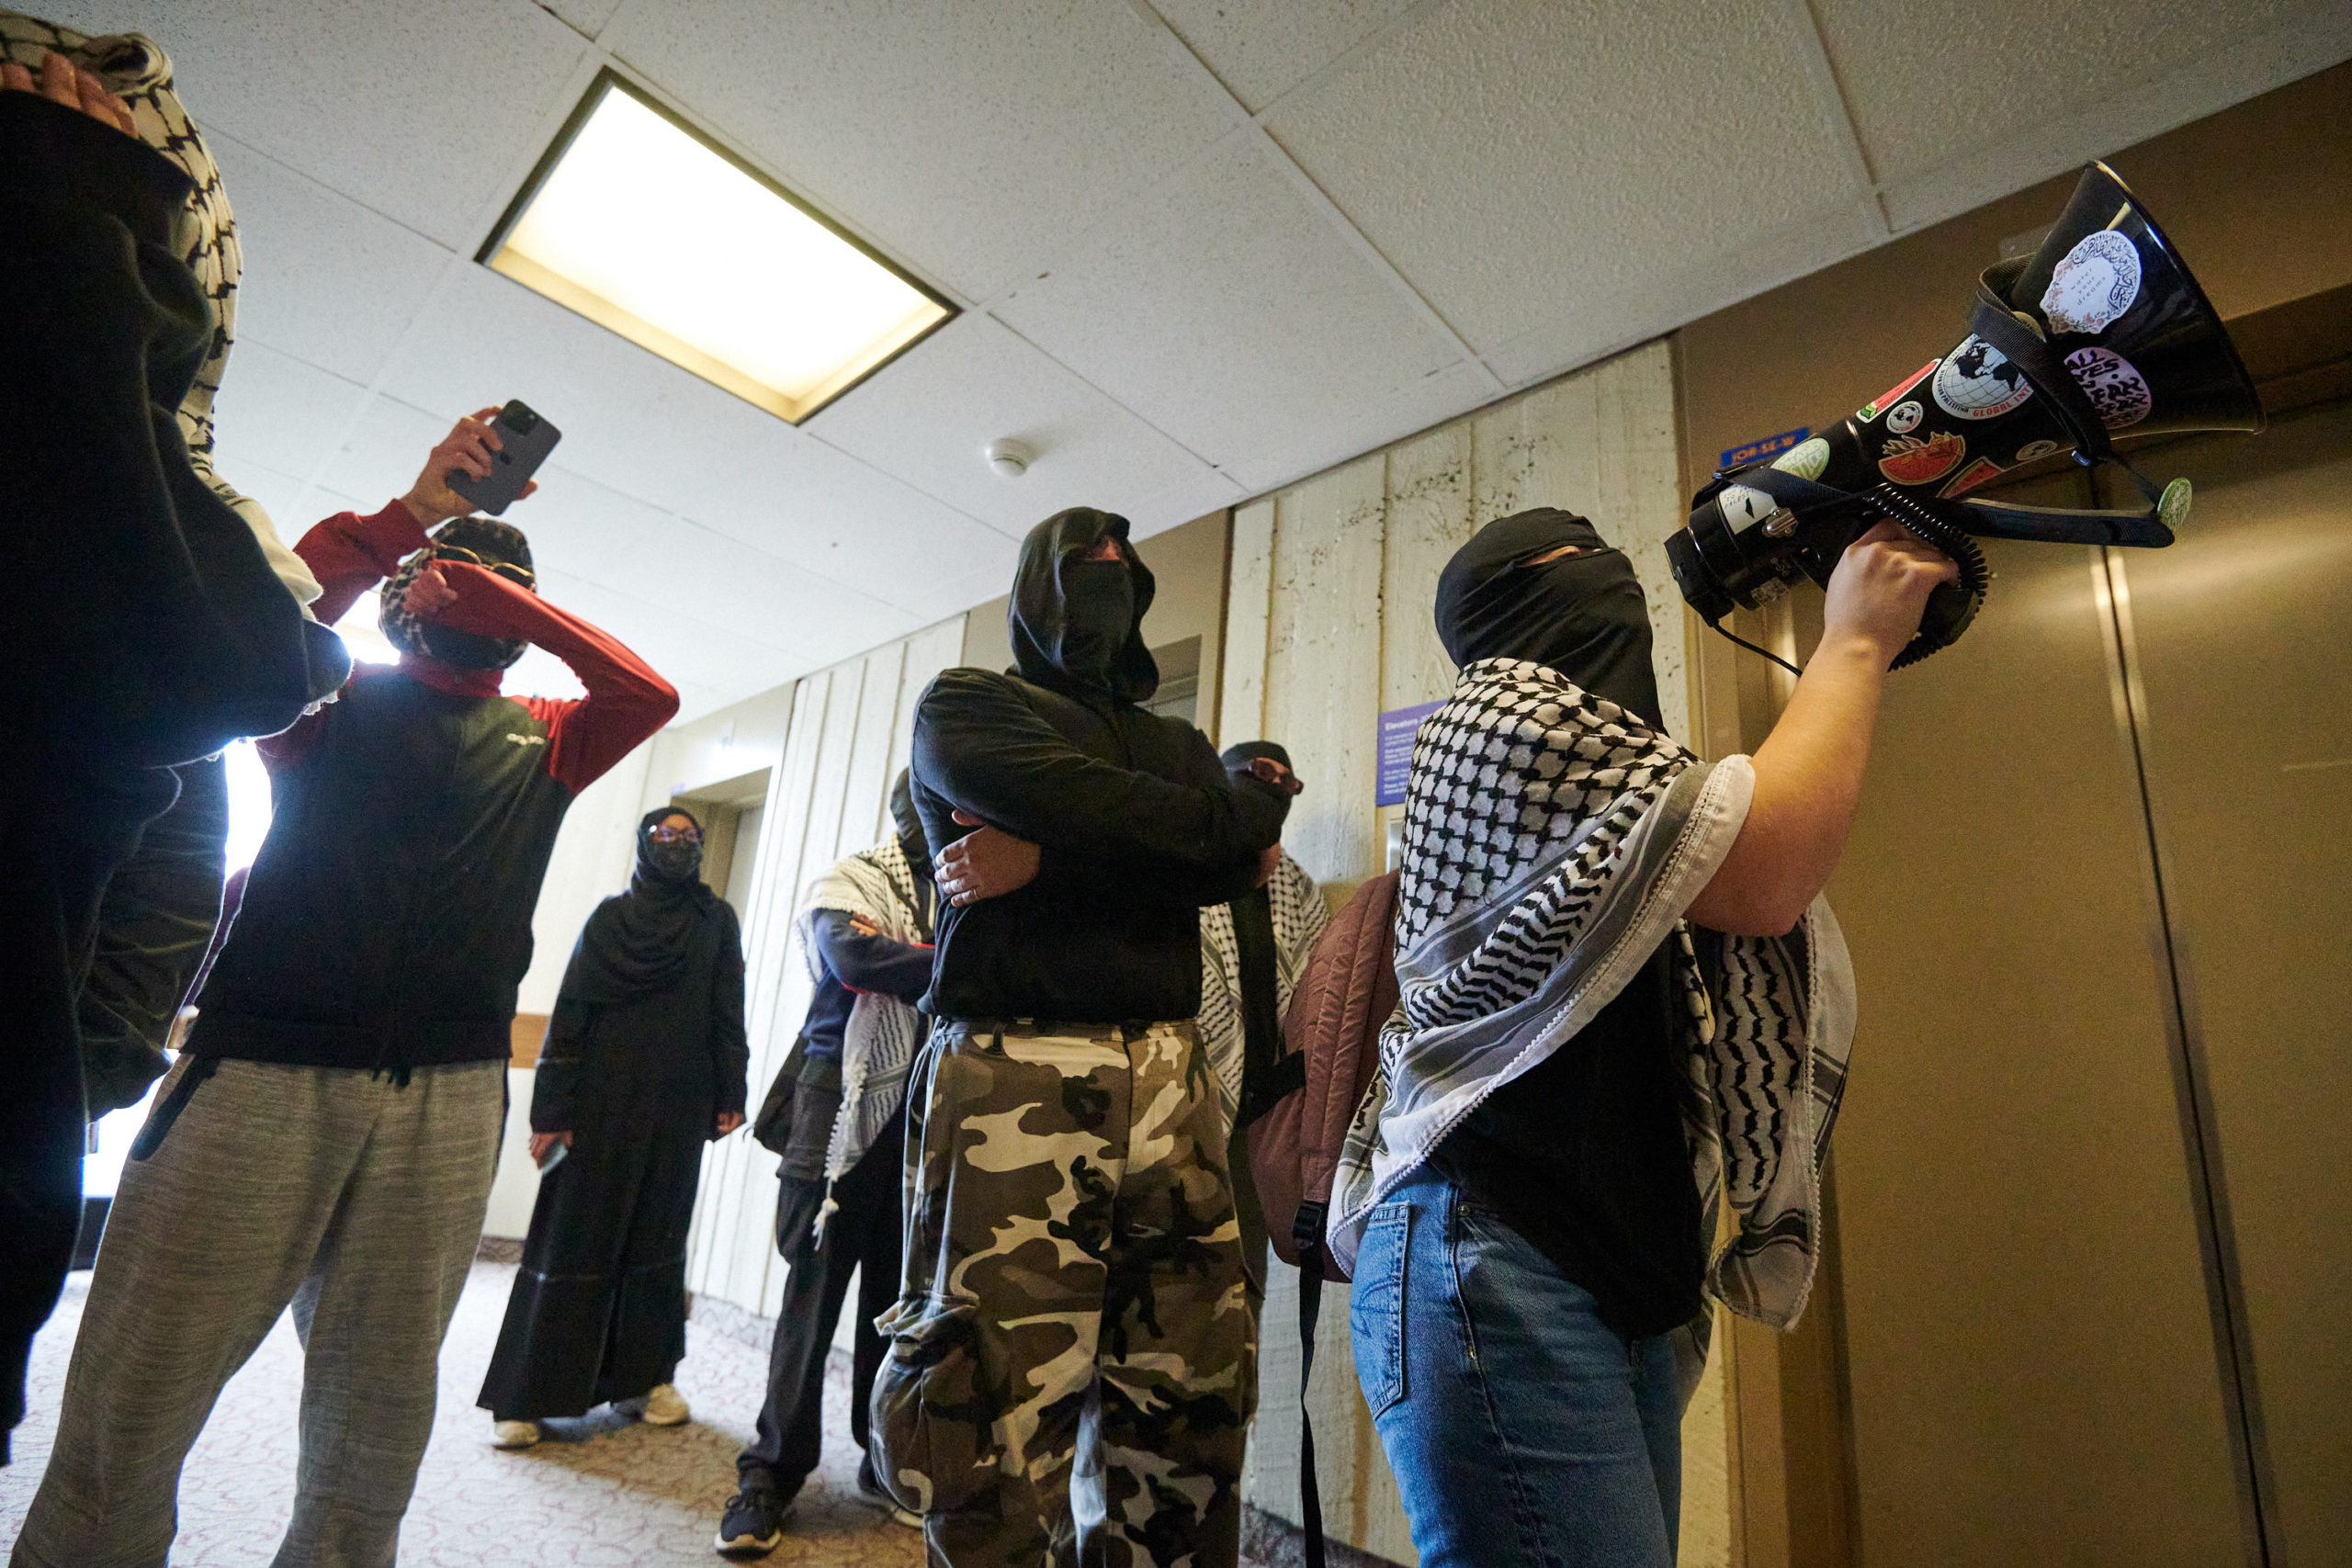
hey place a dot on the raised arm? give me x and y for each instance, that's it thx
(627, 701)
(1809, 770)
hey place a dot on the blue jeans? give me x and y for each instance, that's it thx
(1522, 1430)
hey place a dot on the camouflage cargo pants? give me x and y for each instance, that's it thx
(1072, 1348)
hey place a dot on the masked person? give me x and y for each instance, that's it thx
(643, 1064)
(1071, 1340)
(1252, 952)
(837, 1115)
(149, 615)
(327, 1138)
(1605, 947)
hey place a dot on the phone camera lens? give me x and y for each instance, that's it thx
(521, 421)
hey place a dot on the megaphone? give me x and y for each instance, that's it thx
(2101, 331)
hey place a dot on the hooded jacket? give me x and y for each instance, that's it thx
(1138, 823)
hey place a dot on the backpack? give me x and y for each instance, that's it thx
(1331, 1036)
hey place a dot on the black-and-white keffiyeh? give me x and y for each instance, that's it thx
(1552, 843)
(1299, 919)
(140, 73)
(879, 1042)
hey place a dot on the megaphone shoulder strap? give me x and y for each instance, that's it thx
(1994, 322)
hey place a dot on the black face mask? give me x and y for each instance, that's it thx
(677, 861)
(1583, 615)
(1098, 612)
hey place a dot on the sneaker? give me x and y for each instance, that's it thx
(513, 1434)
(753, 1525)
(662, 1407)
(870, 1492)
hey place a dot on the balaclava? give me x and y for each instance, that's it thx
(1583, 615)
(1077, 624)
(495, 543)
(910, 825)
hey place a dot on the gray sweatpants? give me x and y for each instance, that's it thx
(357, 1203)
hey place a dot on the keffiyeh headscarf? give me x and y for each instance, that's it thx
(879, 1040)
(494, 542)
(1552, 838)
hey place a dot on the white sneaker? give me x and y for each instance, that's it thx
(513, 1434)
(664, 1406)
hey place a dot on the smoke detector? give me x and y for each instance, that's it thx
(1010, 459)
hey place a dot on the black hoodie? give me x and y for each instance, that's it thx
(1139, 823)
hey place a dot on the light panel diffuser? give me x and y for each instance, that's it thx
(646, 229)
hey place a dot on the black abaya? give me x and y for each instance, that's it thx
(598, 1309)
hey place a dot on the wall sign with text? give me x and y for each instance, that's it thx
(1394, 757)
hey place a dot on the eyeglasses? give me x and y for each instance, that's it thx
(521, 575)
(674, 835)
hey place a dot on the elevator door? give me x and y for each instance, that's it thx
(2242, 638)
(2032, 1375)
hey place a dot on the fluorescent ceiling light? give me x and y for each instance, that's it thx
(646, 228)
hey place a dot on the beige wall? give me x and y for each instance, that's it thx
(1329, 622)
(843, 736)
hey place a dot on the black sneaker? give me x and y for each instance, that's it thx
(753, 1523)
(870, 1492)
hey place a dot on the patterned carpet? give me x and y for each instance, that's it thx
(604, 1493)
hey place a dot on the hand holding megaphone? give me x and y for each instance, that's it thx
(1880, 589)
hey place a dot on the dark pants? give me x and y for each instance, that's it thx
(861, 1236)
(61, 837)
(157, 918)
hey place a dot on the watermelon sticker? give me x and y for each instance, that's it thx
(1979, 382)
(1908, 460)
(2095, 284)
(1869, 411)
(2113, 384)
(1981, 471)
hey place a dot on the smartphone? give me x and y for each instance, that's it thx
(556, 1153)
(525, 440)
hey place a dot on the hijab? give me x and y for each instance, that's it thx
(495, 543)
(1583, 615)
(638, 944)
(1077, 624)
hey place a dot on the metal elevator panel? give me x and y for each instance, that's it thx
(2031, 1371)
(2240, 636)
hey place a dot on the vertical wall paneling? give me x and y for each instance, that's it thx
(1241, 706)
(827, 797)
(1329, 622)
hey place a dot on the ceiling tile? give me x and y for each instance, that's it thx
(1228, 310)
(929, 418)
(588, 531)
(1930, 83)
(325, 279)
(278, 493)
(1259, 48)
(424, 110)
(1514, 160)
(279, 412)
(1437, 397)
(969, 143)
(385, 451)
(590, 17)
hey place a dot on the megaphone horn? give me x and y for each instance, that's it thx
(2102, 331)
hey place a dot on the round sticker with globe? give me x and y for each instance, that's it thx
(1978, 381)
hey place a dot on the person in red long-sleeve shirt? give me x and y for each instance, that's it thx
(328, 1137)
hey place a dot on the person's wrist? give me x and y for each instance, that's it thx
(426, 513)
(1857, 646)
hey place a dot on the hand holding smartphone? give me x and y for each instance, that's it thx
(524, 439)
